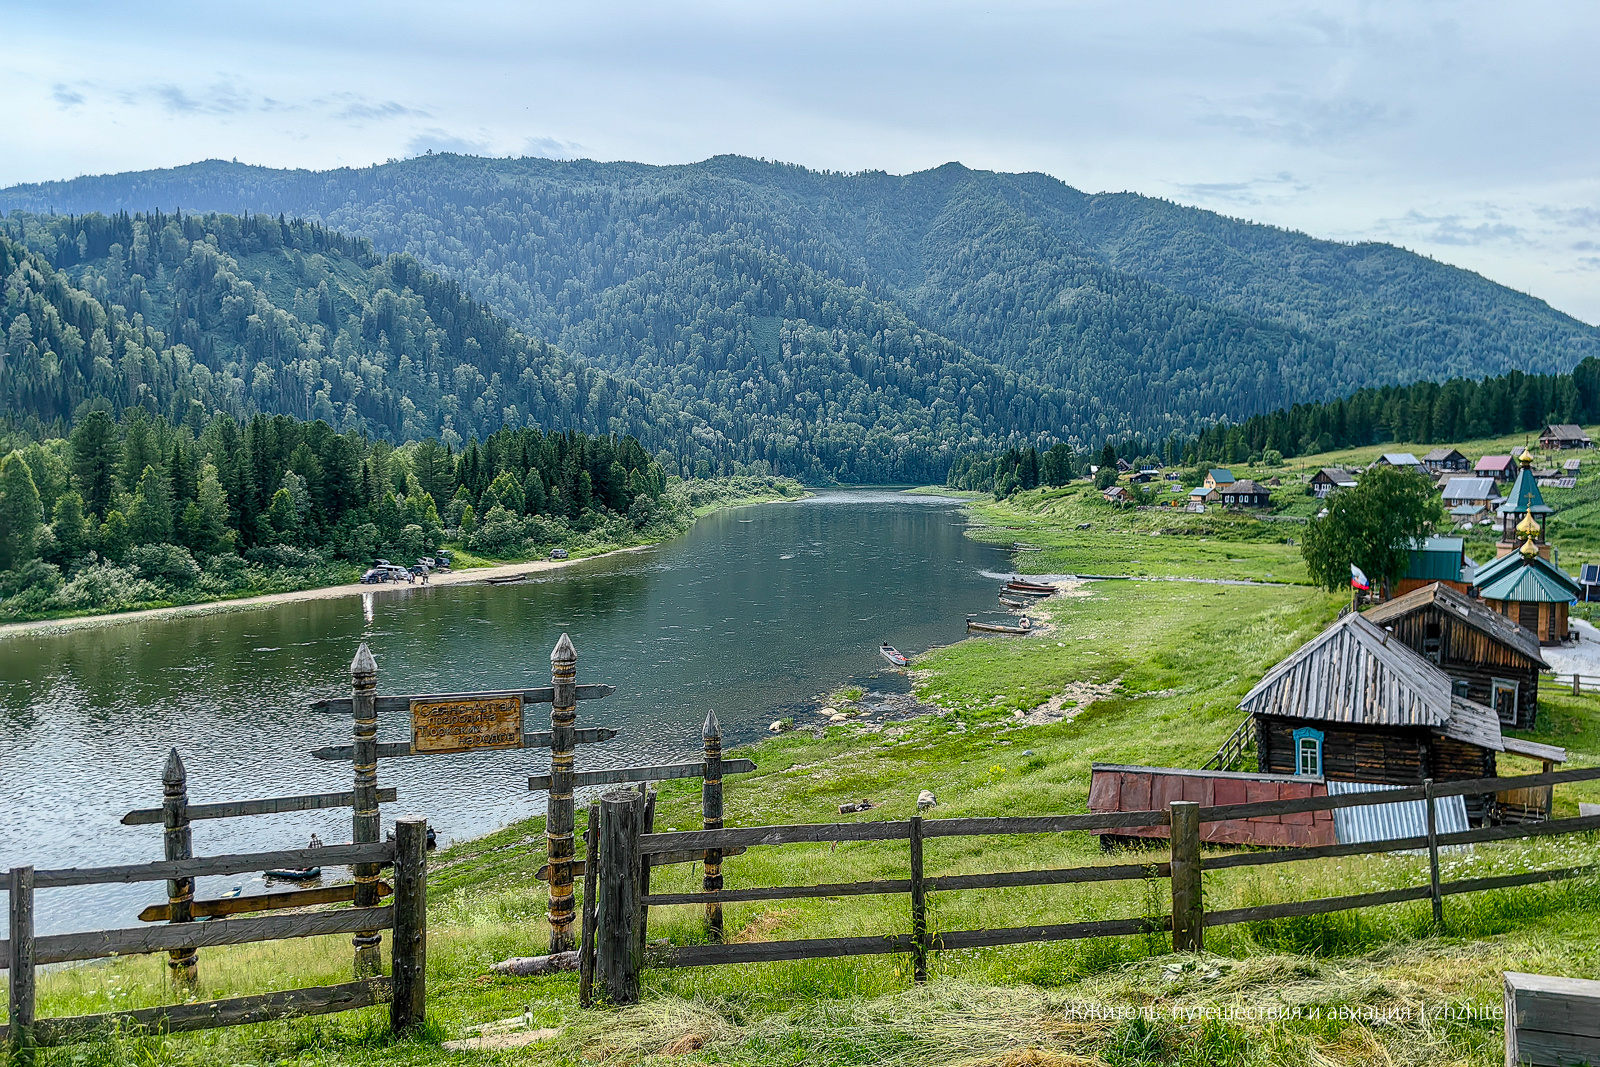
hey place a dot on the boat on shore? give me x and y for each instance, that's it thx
(1024, 625)
(892, 654)
(507, 579)
(1030, 588)
(295, 874)
(1014, 600)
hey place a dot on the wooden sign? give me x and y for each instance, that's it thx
(465, 725)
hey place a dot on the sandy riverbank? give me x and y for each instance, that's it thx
(326, 592)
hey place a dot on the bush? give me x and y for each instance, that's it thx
(500, 533)
(283, 556)
(167, 564)
(104, 586)
(34, 574)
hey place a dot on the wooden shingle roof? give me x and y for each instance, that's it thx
(1474, 613)
(1354, 672)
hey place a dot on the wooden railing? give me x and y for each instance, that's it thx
(1580, 683)
(612, 945)
(23, 952)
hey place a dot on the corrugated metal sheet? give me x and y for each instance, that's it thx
(1537, 580)
(1392, 822)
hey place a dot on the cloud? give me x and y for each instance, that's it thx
(66, 97)
(437, 140)
(1451, 229)
(359, 108)
(440, 140)
(1303, 120)
(550, 148)
(220, 98)
(1248, 191)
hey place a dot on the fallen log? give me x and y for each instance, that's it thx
(531, 966)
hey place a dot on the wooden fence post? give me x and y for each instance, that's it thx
(1577, 685)
(178, 844)
(21, 965)
(591, 860)
(919, 906)
(409, 948)
(364, 821)
(559, 816)
(1433, 855)
(1188, 910)
(711, 813)
(648, 827)
(621, 812)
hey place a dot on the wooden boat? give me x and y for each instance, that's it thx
(1031, 588)
(1012, 600)
(507, 579)
(892, 654)
(1023, 626)
(295, 874)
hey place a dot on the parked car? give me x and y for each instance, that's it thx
(375, 575)
(558, 553)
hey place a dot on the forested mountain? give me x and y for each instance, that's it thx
(986, 303)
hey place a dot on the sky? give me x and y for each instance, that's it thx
(1466, 131)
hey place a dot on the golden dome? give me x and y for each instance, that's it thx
(1528, 550)
(1528, 527)
(1526, 459)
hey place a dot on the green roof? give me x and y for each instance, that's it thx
(1524, 496)
(1535, 580)
(1436, 559)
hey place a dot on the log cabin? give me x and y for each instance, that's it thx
(1489, 658)
(1356, 704)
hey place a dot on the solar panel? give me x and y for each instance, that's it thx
(1590, 574)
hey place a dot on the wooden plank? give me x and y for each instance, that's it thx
(661, 772)
(1464, 787)
(391, 749)
(1317, 907)
(181, 1018)
(290, 898)
(409, 945)
(1509, 881)
(1315, 852)
(22, 959)
(1042, 824)
(1554, 1004)
(1065, 876)
(391, 704)
(896, 831)
(919, 906)
(201, 866)
(785, 892)
(1021, 935)
(656, 860)
(97, 944)
(270, 806)
(1188, 910)
(774, 951)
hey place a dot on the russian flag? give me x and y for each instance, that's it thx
(1358, 580)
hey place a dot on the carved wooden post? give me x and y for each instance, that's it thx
(364, 828)
(21, 965)
(559, 816)
(618, 962)
(410, 946)
(1433, 854)
(711, 813)
(178, 844)
(1188, 911)
(591, 860)
(919, 906)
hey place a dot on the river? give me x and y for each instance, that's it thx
(752, 613)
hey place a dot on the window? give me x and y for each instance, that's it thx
(1461, 687)
(1503, 695)
(1307, 751)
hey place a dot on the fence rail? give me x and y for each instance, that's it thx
(1184, 868)
(23, 952)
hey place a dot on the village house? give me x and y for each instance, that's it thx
(1331, 479)
(1441, 460)
(1466, 515)
(1490, 659)
(1218, 477)
(1403, 460)
(1479, 491)
(1500, 468)
(1562, 436)
(1246, 494)
(1356, 704)
(1437, 559)
(1116, 494)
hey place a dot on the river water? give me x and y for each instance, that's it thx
(753, 613)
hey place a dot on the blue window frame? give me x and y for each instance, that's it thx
(1307, 751)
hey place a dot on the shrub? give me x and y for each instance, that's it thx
(168, 564)
(105, 586)
(283, 556)
(500, 532)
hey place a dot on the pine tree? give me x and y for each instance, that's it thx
(20, 513)
(96, 453)
(71, 532)
(150, 516)
(114, 539)
(211, 532)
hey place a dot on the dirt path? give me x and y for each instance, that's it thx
(326, 592)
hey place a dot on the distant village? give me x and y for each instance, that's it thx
(1417, 688)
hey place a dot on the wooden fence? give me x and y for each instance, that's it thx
(1580, 683)
(612, 948)
(404, 990)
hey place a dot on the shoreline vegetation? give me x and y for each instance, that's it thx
(1145, 672)
(713, 495)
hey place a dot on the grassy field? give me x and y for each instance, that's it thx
(1144, 672)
